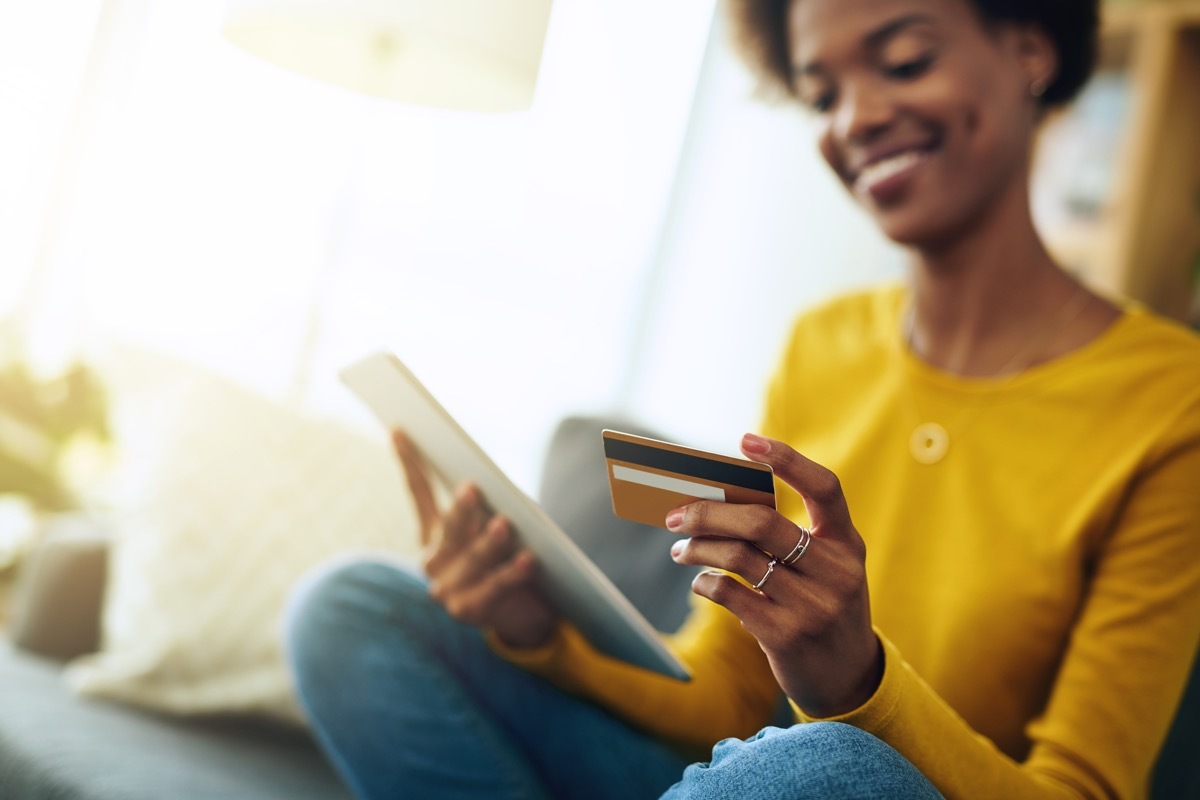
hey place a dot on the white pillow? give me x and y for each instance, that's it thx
(224, 500)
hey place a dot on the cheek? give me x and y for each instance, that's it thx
(979, 139)
(953, 101)
(988, 116)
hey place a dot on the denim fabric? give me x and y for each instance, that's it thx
(408, 703)
(820, 760)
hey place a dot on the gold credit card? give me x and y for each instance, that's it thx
(649, 478)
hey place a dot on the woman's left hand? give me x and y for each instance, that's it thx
(812, 618)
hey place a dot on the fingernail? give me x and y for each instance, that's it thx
(677, 548)
(752, 443)
(675, 519)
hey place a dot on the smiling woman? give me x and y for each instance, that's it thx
(1016, 454)
(966, 83)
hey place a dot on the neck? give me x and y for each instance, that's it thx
(978, 295)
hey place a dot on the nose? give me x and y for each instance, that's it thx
(861, 114)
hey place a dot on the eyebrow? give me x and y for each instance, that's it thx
(873, 39)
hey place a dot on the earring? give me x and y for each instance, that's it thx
(1037, 87)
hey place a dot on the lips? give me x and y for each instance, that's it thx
(884, 174)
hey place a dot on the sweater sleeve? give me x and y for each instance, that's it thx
(732, 692)
(1120, 680)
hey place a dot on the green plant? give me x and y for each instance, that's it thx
(39, 419)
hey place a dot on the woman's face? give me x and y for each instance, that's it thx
(926, 115)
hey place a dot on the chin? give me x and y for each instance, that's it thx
(927, 225)
(913, 230)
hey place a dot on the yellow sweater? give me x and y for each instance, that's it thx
(1037, 591)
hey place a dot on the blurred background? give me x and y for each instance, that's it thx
(195, 239)
(636, 242)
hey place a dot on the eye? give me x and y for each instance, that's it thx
(820, 103)
(908, 70)
(815, 95)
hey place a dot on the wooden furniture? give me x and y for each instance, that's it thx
(1133, 228)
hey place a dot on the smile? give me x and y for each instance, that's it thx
(886, 176)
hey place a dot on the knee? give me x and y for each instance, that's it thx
(816, 760)
(342, 601)
(820, 747)
(838, 760)
(829, 738)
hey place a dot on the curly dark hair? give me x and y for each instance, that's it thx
(760, 36)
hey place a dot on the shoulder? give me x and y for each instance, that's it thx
(1163, 341)
(1156, 355)
(1144, 373)
(852, 322)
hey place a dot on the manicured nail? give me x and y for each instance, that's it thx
(753, 443)
(675, 519)
(677, 548)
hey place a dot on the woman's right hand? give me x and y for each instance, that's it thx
(476, 570)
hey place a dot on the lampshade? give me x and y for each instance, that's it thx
(471, 55)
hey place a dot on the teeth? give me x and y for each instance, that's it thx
(892, 165)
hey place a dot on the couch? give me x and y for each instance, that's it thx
(54, 744)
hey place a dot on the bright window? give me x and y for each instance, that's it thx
(220, 199)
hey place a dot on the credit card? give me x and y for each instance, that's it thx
(649, 478)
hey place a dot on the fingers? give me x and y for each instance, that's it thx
(761, 526)
(474, 602)
(418, 485)
(770, 591)
(466, 517)
(472, 558)
(451, 569)
(820, 488)
(786, 604)
(735, 557)
(783, 603)
(740, 599)
(731, 555)
(786, 608)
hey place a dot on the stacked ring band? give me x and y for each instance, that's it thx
(797, 551)
(770, 568)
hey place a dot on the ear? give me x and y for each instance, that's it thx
(1037, 57)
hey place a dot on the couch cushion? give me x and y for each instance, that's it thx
(222, 499)
(574, 492)
(56, 605)
(1177, 772)
(56, 745)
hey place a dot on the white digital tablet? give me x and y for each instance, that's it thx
(581, 592)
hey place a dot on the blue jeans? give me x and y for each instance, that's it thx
(408, 703)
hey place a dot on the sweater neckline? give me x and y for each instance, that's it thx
(922, 370)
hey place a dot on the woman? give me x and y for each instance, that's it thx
(1021, 458)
